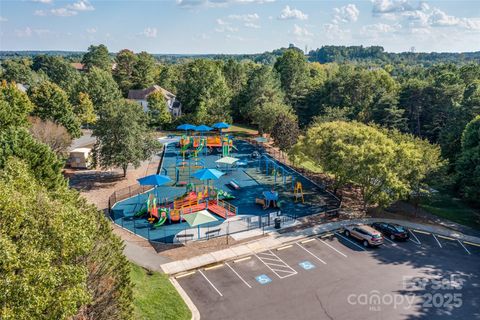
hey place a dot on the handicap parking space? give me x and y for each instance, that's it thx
(250, 269)
(300, 259)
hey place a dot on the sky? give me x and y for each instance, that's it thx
(239, 26)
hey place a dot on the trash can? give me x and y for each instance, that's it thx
(277, 223)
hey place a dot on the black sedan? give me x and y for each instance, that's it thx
(391, 230)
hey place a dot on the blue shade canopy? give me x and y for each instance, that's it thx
(186, 126)
(221, 125)
(208, 174)
(154, 180)
(203, 128)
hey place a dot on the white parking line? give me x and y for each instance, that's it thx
(350, 241)
(413, 234)
(246, 283)
(343, 254)
(439, 244)
(275, 267)
(311, 253)
(218, 291)
(463, 246)
(393, 243)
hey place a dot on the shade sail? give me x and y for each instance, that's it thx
(208, 174)
(203, 128)
(154, 180)
(221, 125)
(186, 126)
(199, 218)
(227, 160)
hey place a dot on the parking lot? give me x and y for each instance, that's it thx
(335, 277)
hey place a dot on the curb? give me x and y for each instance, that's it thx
(186, 298)
(277, 240)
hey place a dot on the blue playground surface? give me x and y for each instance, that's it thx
(251, 176)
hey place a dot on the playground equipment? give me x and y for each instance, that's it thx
(271, 167)
(298, 192)
(184, 169)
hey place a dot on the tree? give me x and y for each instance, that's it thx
(53, 135)
(263, 99)
(123, 137)
(236, 75)
(203, 91)
(123, 73)
(158, 112)
(18, 71)
(468, 163)
(84, 109)
(294, 72)
(143, 72)
(285, 132)
(100, 87)
(97, 56)
(59, 259)
(169, 77)
(51, 103)
(386, 166)
(58, 71)
(14, 106)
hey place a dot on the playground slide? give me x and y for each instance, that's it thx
(160, 221)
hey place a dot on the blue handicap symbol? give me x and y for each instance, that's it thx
(263, 279)
(307, 265)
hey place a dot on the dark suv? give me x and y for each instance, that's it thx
(392, 230)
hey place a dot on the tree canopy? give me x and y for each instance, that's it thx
(97, 56)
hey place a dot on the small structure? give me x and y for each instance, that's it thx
(141, 96)
(80, 158)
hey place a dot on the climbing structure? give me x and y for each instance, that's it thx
(298, 192)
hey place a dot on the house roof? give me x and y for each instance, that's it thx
(142, 94)
(77, 65)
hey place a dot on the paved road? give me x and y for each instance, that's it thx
(336, 278)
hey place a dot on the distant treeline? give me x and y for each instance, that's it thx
(325, 54)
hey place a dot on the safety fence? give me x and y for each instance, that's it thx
(182, 232)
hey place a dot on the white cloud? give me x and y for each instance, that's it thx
(335, 32)
(3, 19)
(28, 32)
(225, 26)
(40, 13)
(245, 17)
(91, 30)
(301, 32)
(291, 14)
(348, 13)
(252, 25)
(391, 6)
(63, 12)
(221, 22)
(82, 5)
(149, 32)
(43, 1)
(217, 3)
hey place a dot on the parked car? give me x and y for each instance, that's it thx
(366, 234)
(392, 230)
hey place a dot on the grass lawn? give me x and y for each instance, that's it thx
(241, 129)
(155, 297)
(453, 209)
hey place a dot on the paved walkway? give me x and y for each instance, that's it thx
(275, 240)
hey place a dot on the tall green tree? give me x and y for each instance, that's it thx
(97, 56)
(203, 92)
(14, 106)
(84, 109)
(285, 132)
(385, 166)
(58, 70)
(294, 74)
(123, 138)
(158, 114)
(468, 163)
(17, 70)
(59, 259)
(123, 72)
(100, 87)
(143, 73)
(51, 103)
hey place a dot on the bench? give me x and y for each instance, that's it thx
(209, 233)
(185, 237)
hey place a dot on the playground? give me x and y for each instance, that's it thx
(208, 179)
